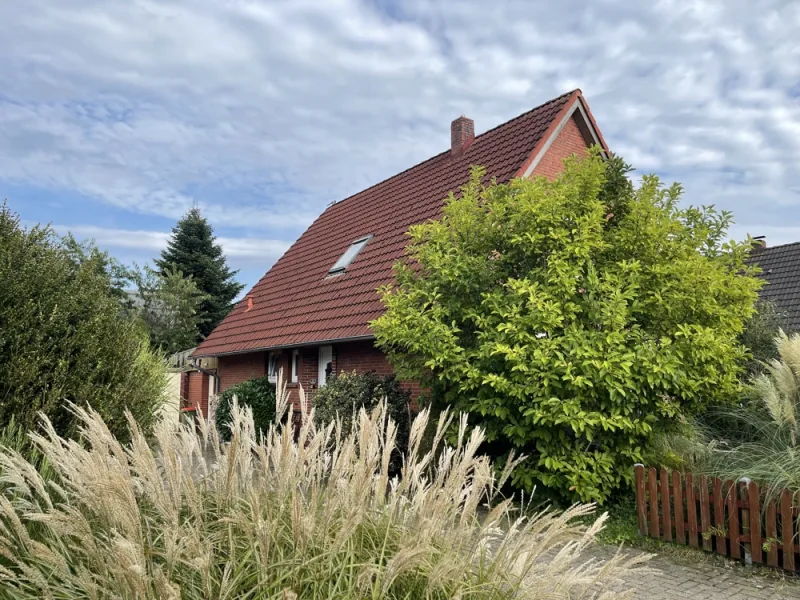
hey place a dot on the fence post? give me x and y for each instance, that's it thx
(787, 530)
(754, 496)
(745, 522)
(666, 511)
(641, 502)
(677, 496)
(652, 486)
(732, 498)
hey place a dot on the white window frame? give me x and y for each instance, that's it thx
(273, 365)
(295, 366)
(325, 352)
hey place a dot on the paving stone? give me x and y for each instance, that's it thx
(707, 580)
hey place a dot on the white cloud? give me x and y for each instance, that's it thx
(263, 112)
(238, 250)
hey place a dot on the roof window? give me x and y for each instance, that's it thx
(349, 255)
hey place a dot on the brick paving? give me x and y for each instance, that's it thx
(707, 578)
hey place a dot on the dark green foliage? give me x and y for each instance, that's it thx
(65, 337)
(258, 394)
(345, 394)
(759, 336)
(193, 251)
(169, 305)
(118, 275)
(572, 319)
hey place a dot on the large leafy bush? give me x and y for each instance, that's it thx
(571, 318)
(346, 394)
(65, 337)
(268, 517)
(258, 394)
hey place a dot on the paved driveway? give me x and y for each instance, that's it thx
(708, 578)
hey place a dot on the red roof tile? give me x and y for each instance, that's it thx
(295, 303)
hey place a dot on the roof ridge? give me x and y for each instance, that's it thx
(767, 248)
(435, 156)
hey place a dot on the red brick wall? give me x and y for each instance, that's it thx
(197, 391)
(307, 373)
(240, 367)
(569, 141)
(362, 357)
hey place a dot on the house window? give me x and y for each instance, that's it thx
(325, 364)
(349, 255)
(273, 366)
(295, 366)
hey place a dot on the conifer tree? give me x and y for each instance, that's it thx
(194, 251)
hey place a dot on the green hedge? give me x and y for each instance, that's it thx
(346, 393)
(258, 394)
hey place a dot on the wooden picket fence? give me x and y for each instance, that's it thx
(727, 517)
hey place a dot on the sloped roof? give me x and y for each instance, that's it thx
(781, 271)
(295, 303)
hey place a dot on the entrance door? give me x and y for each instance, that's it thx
(325, 364)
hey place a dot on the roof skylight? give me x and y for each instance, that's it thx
(349, 255)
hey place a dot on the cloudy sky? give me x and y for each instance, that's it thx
(118, 115)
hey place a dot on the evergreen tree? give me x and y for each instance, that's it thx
(193, 251)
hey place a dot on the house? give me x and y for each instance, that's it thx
(310, 314)
(780, 266)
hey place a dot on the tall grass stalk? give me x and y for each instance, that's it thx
(318, 517)
(760, 439)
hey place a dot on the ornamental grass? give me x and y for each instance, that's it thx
(282, 515)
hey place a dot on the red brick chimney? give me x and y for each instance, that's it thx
(462, 132)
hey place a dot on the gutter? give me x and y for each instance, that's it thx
(358, 338)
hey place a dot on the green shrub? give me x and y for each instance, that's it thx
(759, 336)
(274, 518)
(64, 337)
(571, 318)
(258, 394)
(347, 393)
(683, 446)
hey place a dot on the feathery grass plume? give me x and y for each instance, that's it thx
(270, 516)
(762, 438)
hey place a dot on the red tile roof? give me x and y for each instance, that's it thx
(295, 303)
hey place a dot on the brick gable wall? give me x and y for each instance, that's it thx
(570, 141)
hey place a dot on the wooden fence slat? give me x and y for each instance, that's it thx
(641, 505)
(732, 498)
(677, 500)
(787, 530)
(721, 545)
(772, 535)
(705, 513)
(754, 501)
(691, 511)
(666, 512)
(652, 484)
(720, 516)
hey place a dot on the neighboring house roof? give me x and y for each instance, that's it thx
(781, 271)
(296, 303)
